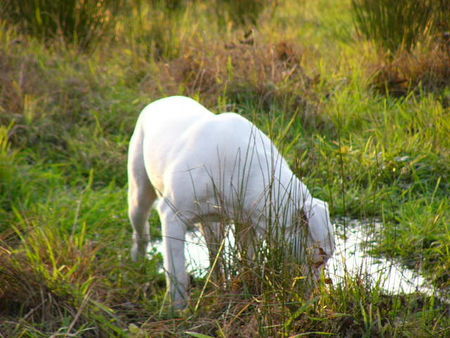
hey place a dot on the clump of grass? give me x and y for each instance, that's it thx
(80, 23)
(411, 40)
(395, 25)
(49, 281)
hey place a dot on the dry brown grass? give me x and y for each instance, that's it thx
(426, 70)
(267, 71)
(267, 75)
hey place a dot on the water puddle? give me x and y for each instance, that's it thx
(196, 252)
(350, 259)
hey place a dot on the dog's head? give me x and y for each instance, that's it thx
(313, 235)
(321, 243)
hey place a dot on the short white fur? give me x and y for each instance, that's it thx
(196, 167)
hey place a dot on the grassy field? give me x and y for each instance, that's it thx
(305, 77)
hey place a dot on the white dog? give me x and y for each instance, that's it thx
(204, 168)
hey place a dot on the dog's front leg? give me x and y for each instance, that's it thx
(173, 231)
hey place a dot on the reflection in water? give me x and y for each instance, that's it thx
(351, 258)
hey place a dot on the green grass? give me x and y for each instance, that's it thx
(65, 122)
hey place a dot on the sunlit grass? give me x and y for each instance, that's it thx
(66, 119)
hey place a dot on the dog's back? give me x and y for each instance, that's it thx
(195, 157)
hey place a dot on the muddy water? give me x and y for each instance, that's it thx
(351, 258)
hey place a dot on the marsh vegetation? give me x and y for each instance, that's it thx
(362, 121)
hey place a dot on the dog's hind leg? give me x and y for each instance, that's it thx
(141, 196)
